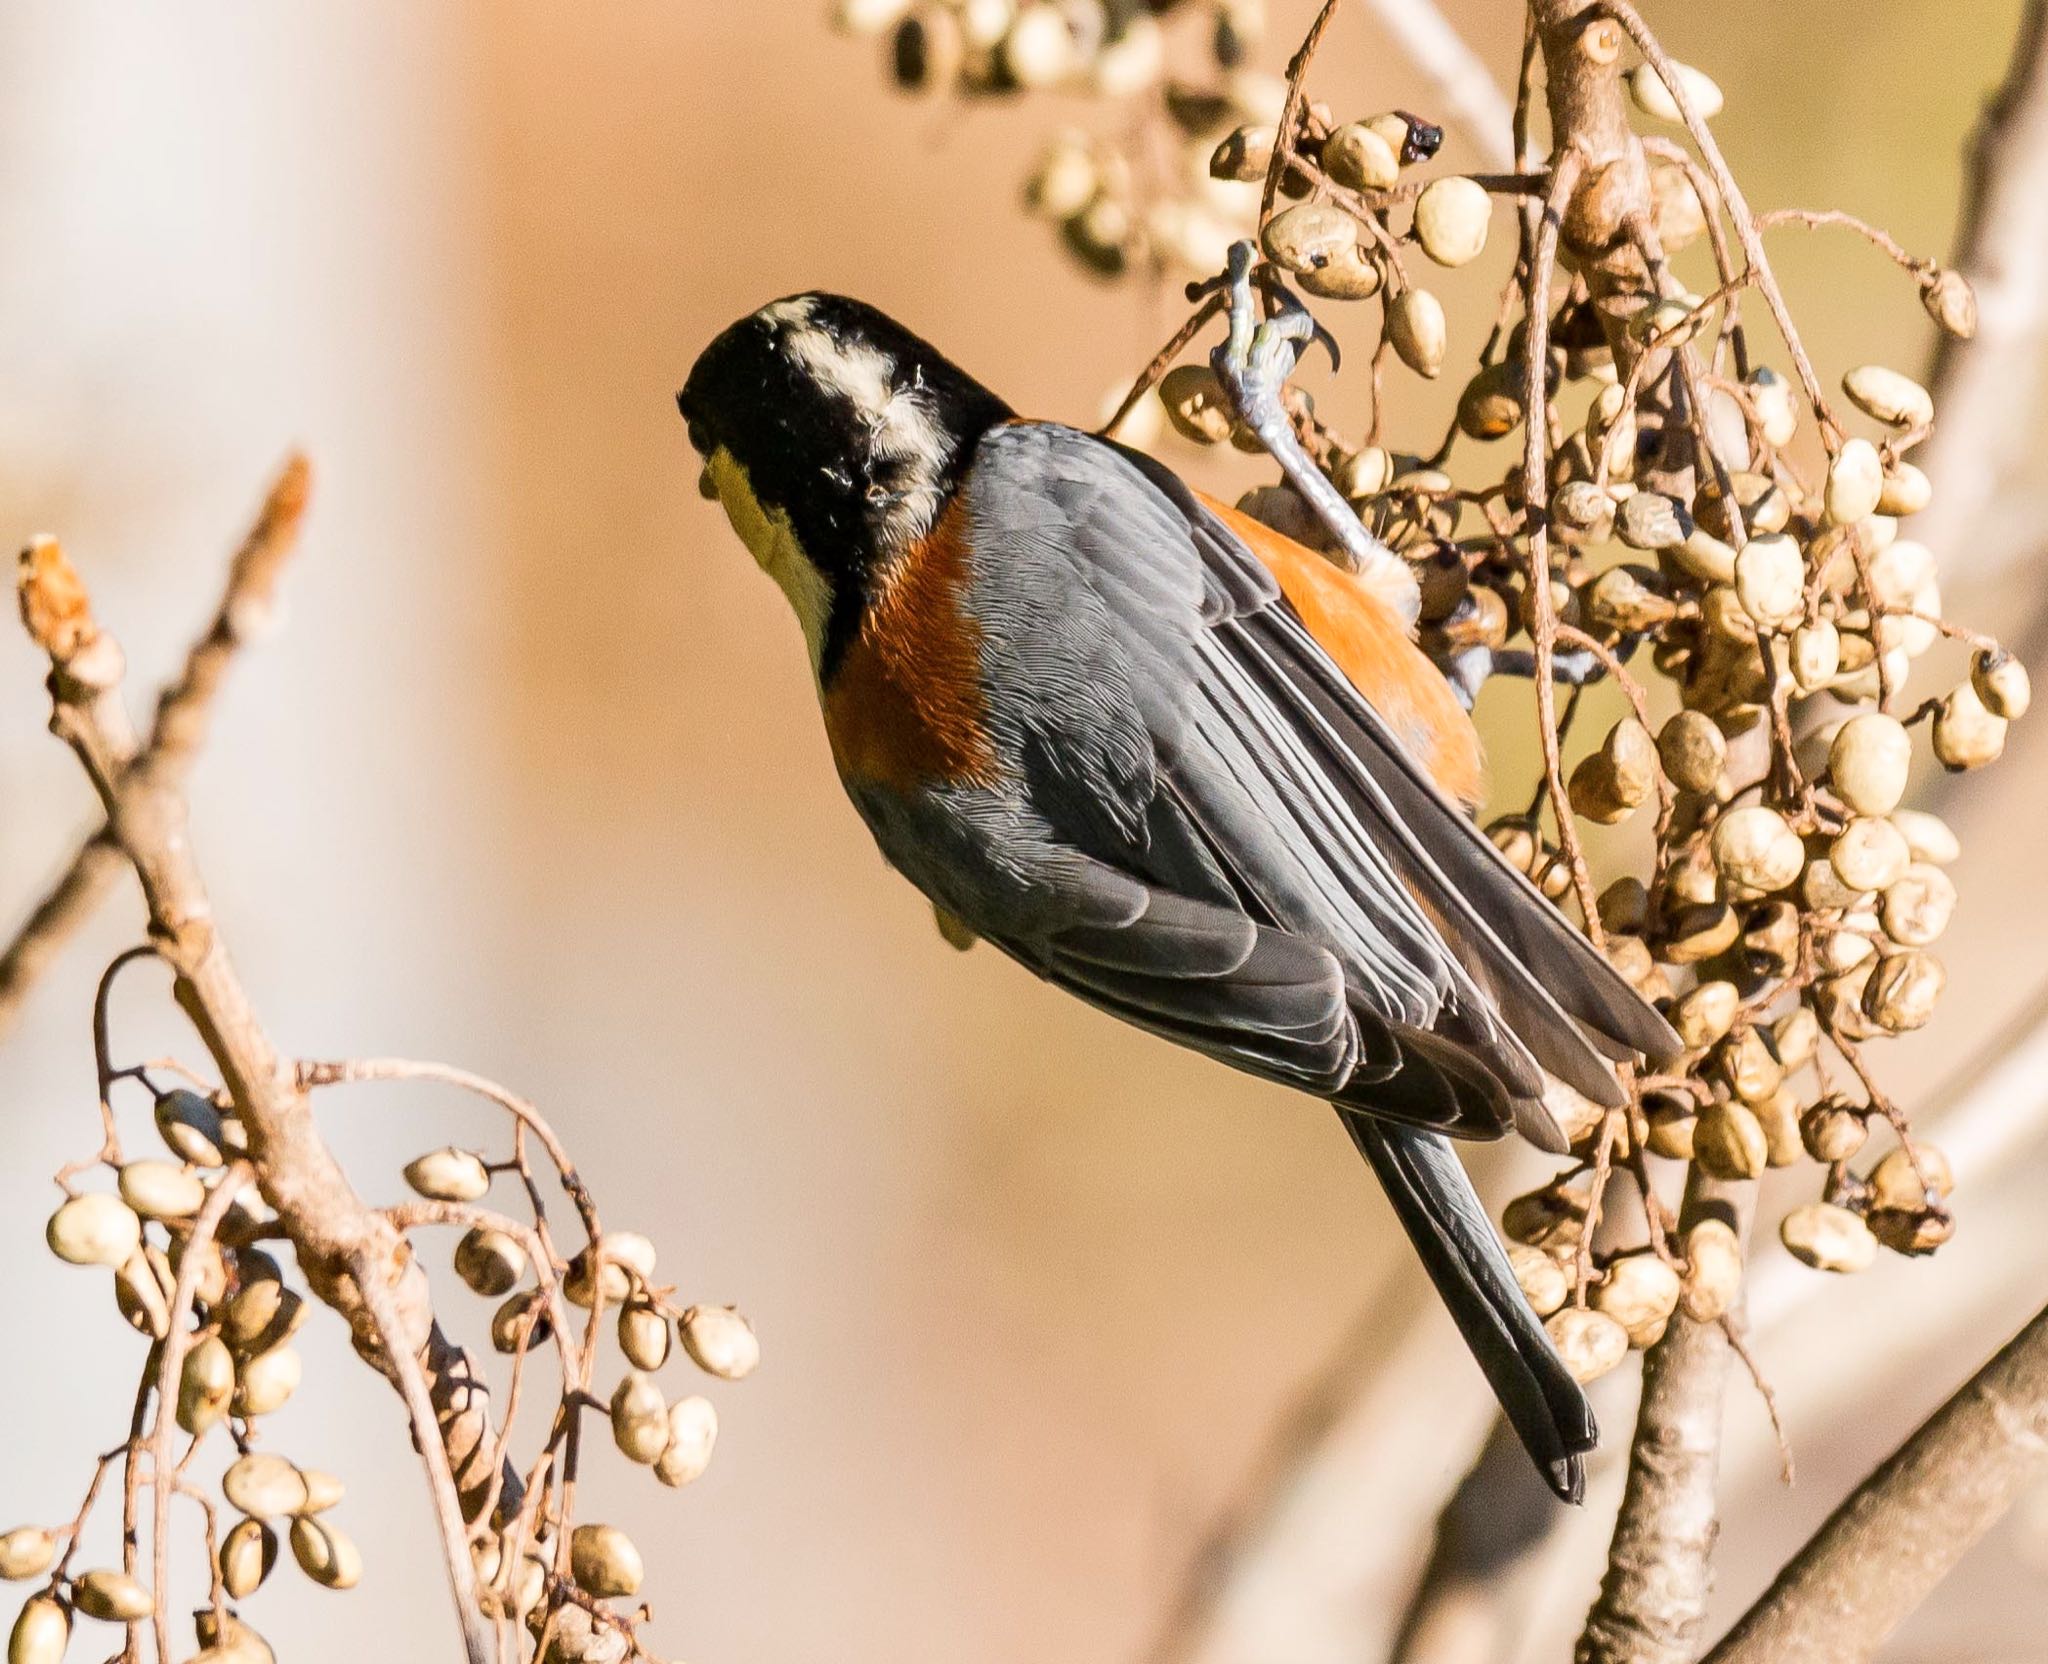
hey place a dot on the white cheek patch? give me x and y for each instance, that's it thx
(772, 541)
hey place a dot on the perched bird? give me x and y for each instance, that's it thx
(1175, 763)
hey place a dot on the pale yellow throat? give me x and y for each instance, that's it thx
(772, 541)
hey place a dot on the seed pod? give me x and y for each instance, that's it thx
(489, 1261)
(1746, 1062)
(1698, 933)
(522, 1319)
(1675, 207)
(111, 1596)
(95, 1229)
(1756, 852)
(692, 1431)
(1673, 1126)
(643, 1335)
(1951, 303)
(1544, 1283)
(42, 1630)
(1415, 326)
(1310, 236)
(1833, 1130)
(1451, 218)
(1360, 159)
(159, 1190)
(1822, 889)
(868, 17)
(449, 1175)
(1552, 1217)
(1491, 404)
(1245, 155)
(1918, 907)
(1624, 909)
(1870, 854)
(210, 1274)
(1713, 1271)
(628, 1257)
(1966, 734)
(232, 1642)
(2000, 681)
(1640, 1292)
(1729, 1142)
(323, 1490)
(1101, 235)
(1828, 1238)
(206, 1384)
(1770, 581)
(1795, 1037)
(1065, 179)
(1907, 490)
(1590, 1343)
(264, 1485)
(140, 1296)
(191, 1127)
(604, 1561)
(262, 1315)
(1770, 938)
(1654, 98)
(1778, 1115)
(639, 1417)
(1928, 837)
(326, 1553)
(1896, 400)
(1855, 482)
(1196, 404)
(1777, 413)
(1350, 274)
(1363, 473)
(25, 1552)
(264, 1382)
(1705, 1014)
(1705, 557)
(720, 1341)
(1869, 760)
(1906, 1232)
(1904, 990)
(1896, 1183)
(1693, 752)
(1131, 63)
(1651, 520)
(247, 1554)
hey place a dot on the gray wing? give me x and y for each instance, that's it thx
(1227, 847)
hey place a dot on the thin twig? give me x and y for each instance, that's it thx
(182, 716)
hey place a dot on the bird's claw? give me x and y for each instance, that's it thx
(1253, 362)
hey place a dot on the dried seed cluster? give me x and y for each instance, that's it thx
(1122, 200)
(1727, 542)
(185, 1242)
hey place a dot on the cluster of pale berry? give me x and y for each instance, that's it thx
(182, 1239)
(1140, 198)
(1716, 513)
(1696, 510)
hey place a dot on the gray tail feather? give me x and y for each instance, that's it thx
(1441, 1213)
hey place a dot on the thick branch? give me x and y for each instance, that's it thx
(334, 1233)
(182, 714)
(1904, 1528)
(1653, 1598)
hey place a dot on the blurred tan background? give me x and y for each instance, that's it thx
(533, 782)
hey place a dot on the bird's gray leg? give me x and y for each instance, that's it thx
(1253, 364)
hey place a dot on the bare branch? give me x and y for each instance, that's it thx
(333, 1232)
(182, 715)
(1653, 1598)
(1904, 1528)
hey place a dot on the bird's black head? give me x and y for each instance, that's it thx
(834, 437)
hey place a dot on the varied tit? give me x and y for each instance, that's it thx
(1177, 764)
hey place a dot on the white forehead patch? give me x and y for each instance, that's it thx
(901, 427)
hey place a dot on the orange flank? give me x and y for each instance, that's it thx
(1370, 644)
(904, 708)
